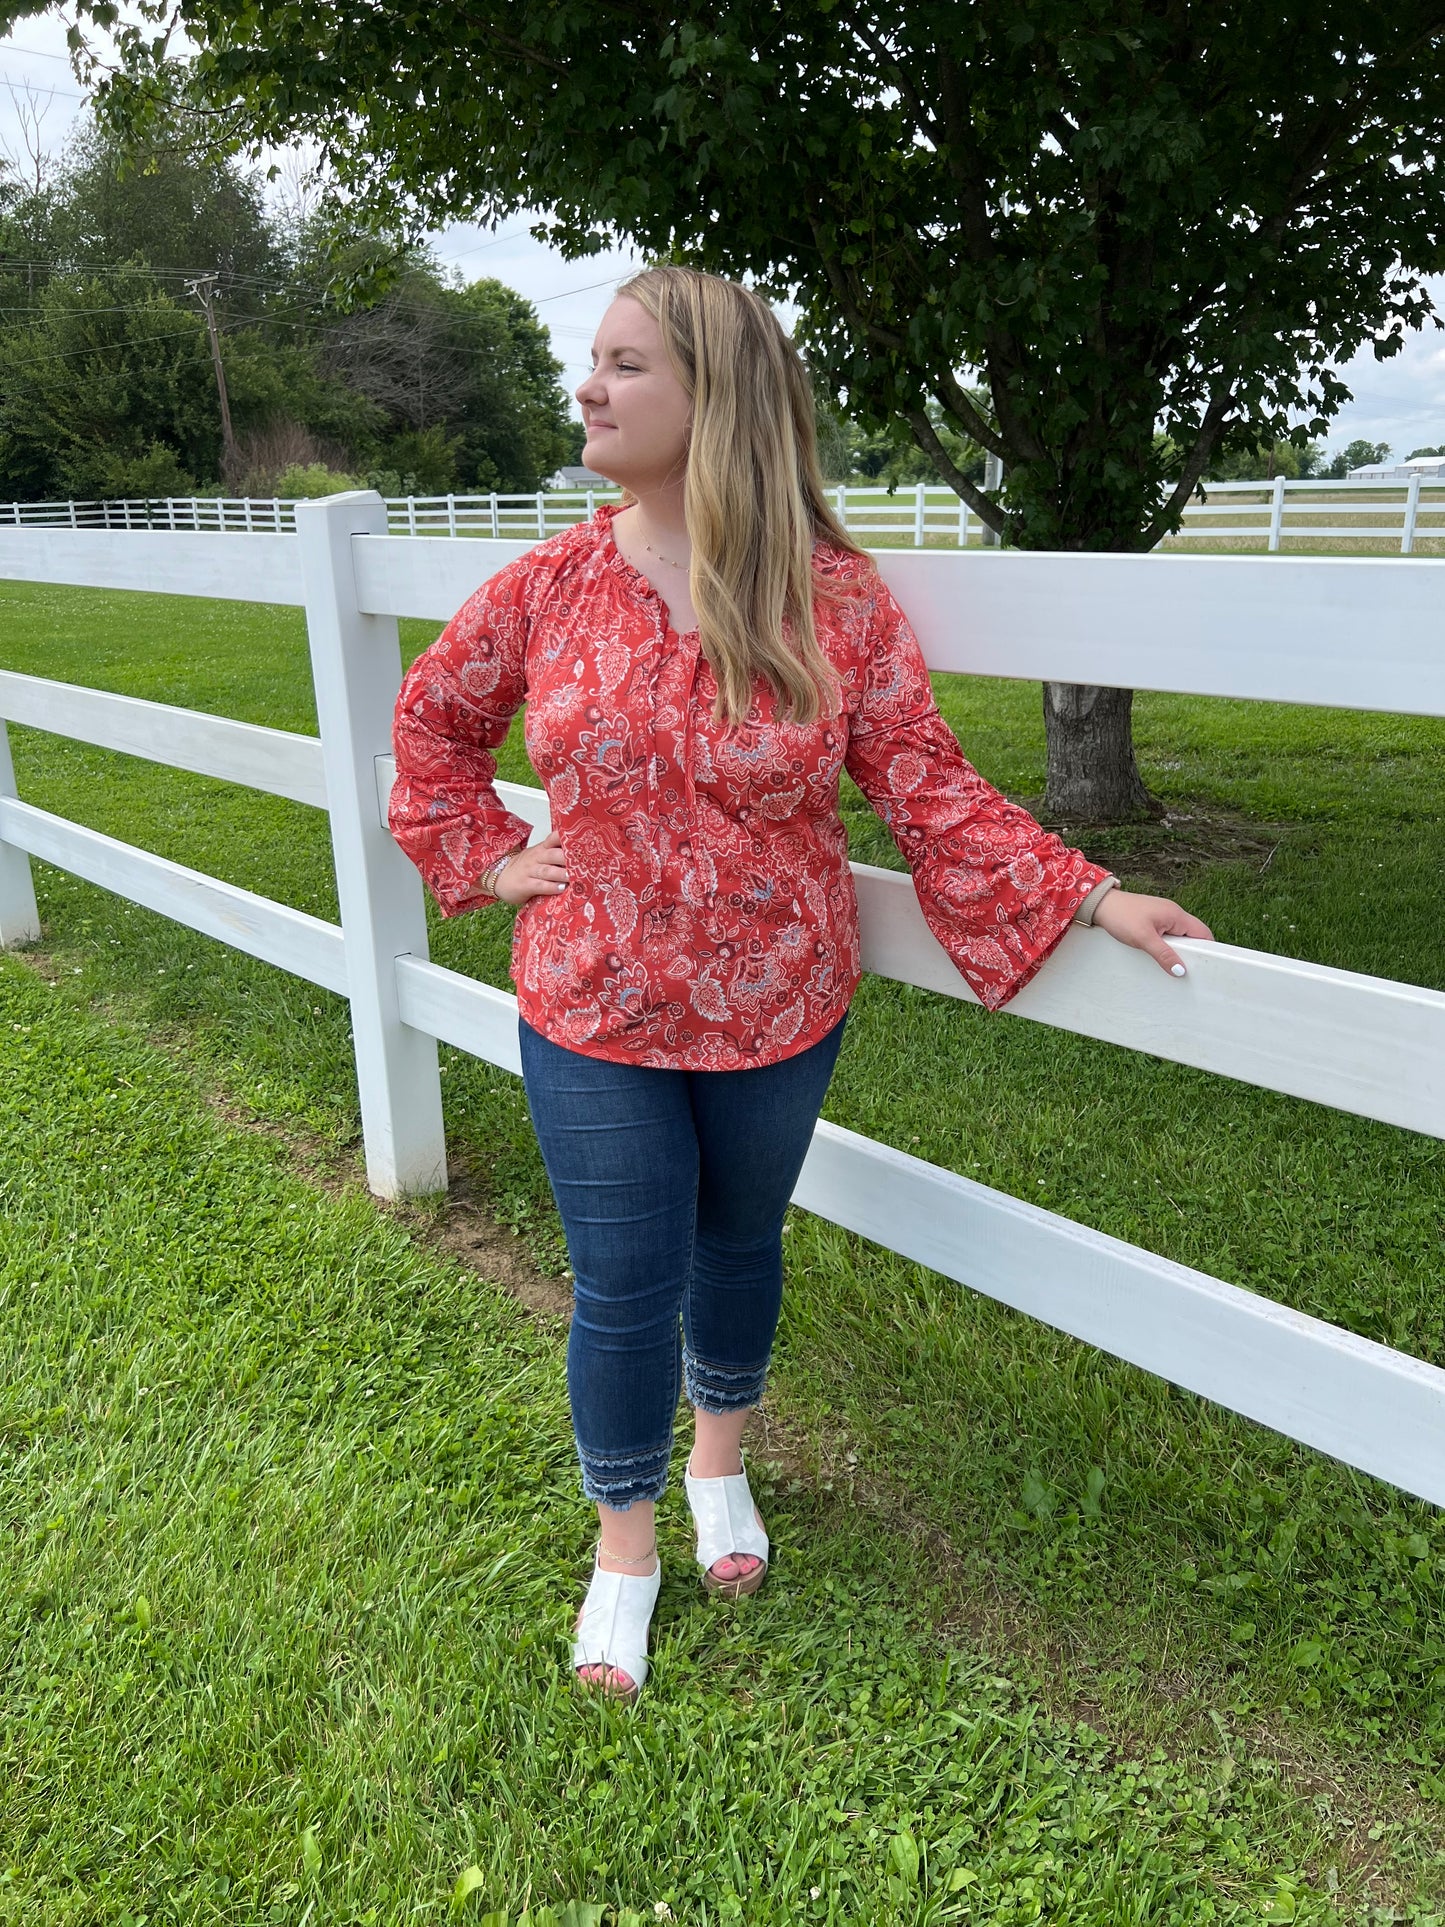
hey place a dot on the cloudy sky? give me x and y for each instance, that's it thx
(1401, 401)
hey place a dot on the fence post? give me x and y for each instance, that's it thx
(356, 664)
(962, 523)
(1412, 511)
(1276, 514)
(73, 522)
(19, 917)
(496, 519)
(920, 511)
(451, 515)
(541, 516)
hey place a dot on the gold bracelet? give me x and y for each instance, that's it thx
(490, 878)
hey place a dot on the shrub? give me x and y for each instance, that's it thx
(312, 479)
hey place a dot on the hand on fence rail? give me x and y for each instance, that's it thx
(1144, 922)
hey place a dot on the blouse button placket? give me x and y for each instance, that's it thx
(652, 757)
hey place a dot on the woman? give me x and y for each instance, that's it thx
(698, 666)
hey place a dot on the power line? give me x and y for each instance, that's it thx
(495, 242)
(24, 80)
(14, 47)
(100, 348)
(608, 283)
(253, 282)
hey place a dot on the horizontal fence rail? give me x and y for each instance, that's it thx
(1361, 1044)
(275, 760)
(1397, 515)
(1284, 631)
(274, 932)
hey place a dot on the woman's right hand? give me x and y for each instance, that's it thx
(540, 870)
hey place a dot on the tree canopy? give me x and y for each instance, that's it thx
(1154, 228)
(107, 386)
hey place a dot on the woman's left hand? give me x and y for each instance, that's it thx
(1144, 922)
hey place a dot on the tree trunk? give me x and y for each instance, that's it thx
(1092, 777)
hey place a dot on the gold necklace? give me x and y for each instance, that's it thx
(661, 557)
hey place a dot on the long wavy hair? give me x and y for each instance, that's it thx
(754, 496)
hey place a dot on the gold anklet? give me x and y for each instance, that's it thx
(641, 1559)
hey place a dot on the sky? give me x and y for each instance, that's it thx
(1400, 402)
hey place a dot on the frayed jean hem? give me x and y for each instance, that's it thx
(621, 1483)
(717, 1389)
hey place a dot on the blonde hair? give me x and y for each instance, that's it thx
(754, 496)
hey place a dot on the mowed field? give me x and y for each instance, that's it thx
(291, 1530)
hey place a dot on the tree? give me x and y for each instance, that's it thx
(339, 353)
(1357, 454)
(851, 452)
(1149, 224)
(101, 396)
(173, 207)
(1292, 459)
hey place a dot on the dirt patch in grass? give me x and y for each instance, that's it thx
(1160, 854)
(466, 1230)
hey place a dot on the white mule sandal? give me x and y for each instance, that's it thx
(727, 1527)
(612, 1628)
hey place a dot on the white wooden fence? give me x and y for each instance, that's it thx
(1280, 512)
(918, 516)
(1270, 515)
(1285, 630)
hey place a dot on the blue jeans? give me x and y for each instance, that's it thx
(672, 1186)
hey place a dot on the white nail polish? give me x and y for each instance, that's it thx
(1176, 970)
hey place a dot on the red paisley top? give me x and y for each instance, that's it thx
(709, 920)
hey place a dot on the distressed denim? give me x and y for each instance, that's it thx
(672, 1187)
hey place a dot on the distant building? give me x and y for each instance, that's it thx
(1428, 467)
(579, 478)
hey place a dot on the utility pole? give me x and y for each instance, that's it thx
(204, 289)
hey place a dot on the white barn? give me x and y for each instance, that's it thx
(1428, 467)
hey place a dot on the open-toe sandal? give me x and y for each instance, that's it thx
(612, 1630)
(727, 1528)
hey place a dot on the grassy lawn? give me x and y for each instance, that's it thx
(1095, 1650)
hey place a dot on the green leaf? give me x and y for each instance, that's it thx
(142, 1610)
(903, 1852)
(310, 1854)
(1038, 1497)
(468, 1882)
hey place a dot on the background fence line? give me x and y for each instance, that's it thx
(1356, 1043)
(1268, 514)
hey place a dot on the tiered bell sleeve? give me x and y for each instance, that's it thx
(456, 705)
(997, 890)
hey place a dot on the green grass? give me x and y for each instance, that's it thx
(290, 1532)
(1121, 1552)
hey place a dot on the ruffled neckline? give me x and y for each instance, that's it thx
(618, 562)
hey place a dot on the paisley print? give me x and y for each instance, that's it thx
(709, 921)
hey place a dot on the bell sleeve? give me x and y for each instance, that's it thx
(996, 889)
(456, 705)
